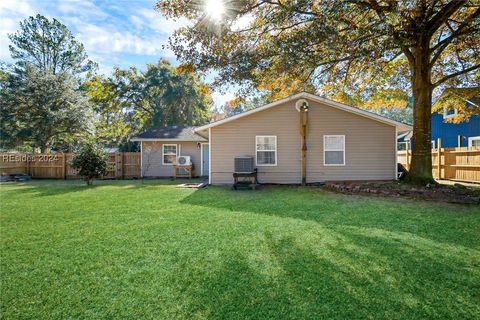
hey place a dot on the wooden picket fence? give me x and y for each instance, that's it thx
(121, 165)
(461, 164)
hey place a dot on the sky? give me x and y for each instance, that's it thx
(115, 33)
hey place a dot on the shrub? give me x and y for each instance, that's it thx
(91, 162)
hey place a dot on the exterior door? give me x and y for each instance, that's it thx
(205, 159)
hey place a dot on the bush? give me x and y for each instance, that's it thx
(91, 162)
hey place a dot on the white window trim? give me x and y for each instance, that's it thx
(446, 116)
(324, 150)
(471, 139)
(256, 152)
(163, 153)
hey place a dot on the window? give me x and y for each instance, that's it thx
(474, 141)
(266, 149)
(401, 146)
(169, 154)
(450, 112)
(334, 150)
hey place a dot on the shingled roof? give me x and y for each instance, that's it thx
(178, 133)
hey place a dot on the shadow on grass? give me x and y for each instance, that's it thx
(45, 188)
(302, 282)
(443, 222)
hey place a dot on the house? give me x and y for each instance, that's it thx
(463, 134)
(342, 143)
(161, 146)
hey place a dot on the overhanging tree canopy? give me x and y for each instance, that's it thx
(430, 43)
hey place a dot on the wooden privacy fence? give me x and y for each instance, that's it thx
(121, 165)
(462, 164)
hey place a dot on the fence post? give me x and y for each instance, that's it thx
(119, 165)
(439, 155)
(459, 141)
(28, 164)
(64, 166)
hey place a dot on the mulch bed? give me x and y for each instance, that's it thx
(456, 193)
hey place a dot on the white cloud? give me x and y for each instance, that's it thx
(11, 13)
(107, 39)
(81, 8)
(15, 7)
(110, 34)
(153, 20)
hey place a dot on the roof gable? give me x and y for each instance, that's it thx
(400, 126)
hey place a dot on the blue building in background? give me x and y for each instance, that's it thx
(463, 134)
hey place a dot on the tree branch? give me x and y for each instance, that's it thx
(456, 74)
(442, 45)
(442, 16)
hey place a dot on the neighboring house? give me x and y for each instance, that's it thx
(464, 134)
(343, 143)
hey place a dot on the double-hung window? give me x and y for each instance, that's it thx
(169, 154)
(266, 150)
(334, 150)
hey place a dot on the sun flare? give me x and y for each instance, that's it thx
(215, 9)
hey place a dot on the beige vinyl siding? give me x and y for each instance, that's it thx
(152, 157)
(369, 145)
(237, 138)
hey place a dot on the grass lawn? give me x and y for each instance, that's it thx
(123, 249)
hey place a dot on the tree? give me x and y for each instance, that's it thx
(91, 162)
(174, 95)
(402, 114)
(41, 108)
(240, 104)
(49, 46)
(130, 100)
(114, 124)
(432, 43)
(465, 100)
(42, 104)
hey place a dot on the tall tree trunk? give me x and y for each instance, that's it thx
(421, 166)
(44, 147)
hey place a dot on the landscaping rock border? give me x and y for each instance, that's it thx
(451, 194)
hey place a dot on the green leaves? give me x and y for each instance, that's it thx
(49, 46)
(131, 101)
(355, 45)
(43, 109)
(42, 104)
(91, 162)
